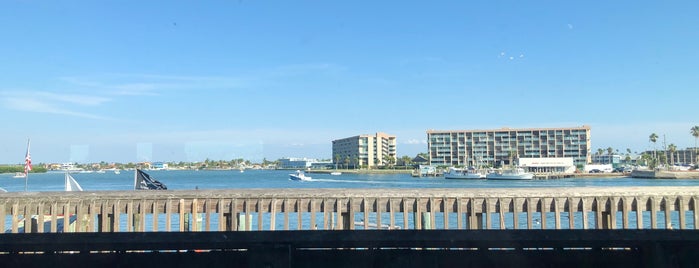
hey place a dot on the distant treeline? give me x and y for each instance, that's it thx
(15, 169)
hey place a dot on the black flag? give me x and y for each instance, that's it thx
(145, 182)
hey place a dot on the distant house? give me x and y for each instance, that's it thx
(420, 160)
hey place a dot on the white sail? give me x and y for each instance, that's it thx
(71, 184)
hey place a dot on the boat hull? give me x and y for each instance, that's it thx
(295, 177)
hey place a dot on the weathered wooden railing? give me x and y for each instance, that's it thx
(334, 209)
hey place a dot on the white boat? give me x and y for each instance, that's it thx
(116, 171)
(510, 174)
(336, 173)
(460, 173)
(299, 176)
(19, 175)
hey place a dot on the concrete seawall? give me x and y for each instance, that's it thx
(664, 174)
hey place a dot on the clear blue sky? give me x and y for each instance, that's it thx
(130, 81)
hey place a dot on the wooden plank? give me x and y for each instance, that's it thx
(15, 218)
(530, 219)
(351, 213)
(142, 213)
(326, 215)
(695, 212)
(208, 208)
(234, 215)
(599, 218)
(168, 215)
(682, 212)
(3, 215)
(669, 206)
(117, 216)
(195, 215)
(583, 204)
(488, 203)
(432, 211)
(418, 215)
(545, 209)
(445, 213)
(459, 214)
(379, 209)
(557, 213)
(365, 210)
(515, 213)
(404, 208)
(391, 214)
(273, 214)
(313, 225)
(653, 213)
(182, 215)
(220, 210)
(40, 216)
(260, 215)
(285, 208)
(54, 217)
(572, 207)
(340, 217)
(502, 212)
(299, 214)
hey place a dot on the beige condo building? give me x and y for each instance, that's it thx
(500, 146)
(365, 150)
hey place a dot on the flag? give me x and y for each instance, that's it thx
(27, 161)
(71, 184)
(143, 181)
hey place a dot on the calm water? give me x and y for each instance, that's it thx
(232, 179)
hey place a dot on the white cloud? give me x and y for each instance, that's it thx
(415, 141)
(37, 105)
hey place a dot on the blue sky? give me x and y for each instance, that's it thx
(130, 81)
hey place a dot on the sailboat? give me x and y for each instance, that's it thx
(71, 184)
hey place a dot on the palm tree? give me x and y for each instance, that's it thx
(672, 148)
(600, 151)
(695, 133)
(653, 138)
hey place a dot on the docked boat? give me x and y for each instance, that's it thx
(299, 176)
(460, 173)
(19, 175)
(510, 174)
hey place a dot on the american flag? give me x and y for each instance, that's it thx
(27, 161)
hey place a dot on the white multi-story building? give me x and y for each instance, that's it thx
(504, 146)
(365, 150)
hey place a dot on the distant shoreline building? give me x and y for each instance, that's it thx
(364, 150)
(299, 163)
(496, 146)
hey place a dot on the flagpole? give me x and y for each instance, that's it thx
(27, 166)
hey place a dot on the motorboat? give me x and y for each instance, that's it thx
(336, 173)
(460, 173)
(510, 174)
(299, 176)
(20, 175)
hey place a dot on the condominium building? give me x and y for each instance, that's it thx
(504, 146)
(365, 150)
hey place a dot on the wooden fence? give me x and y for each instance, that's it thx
(351, 209)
